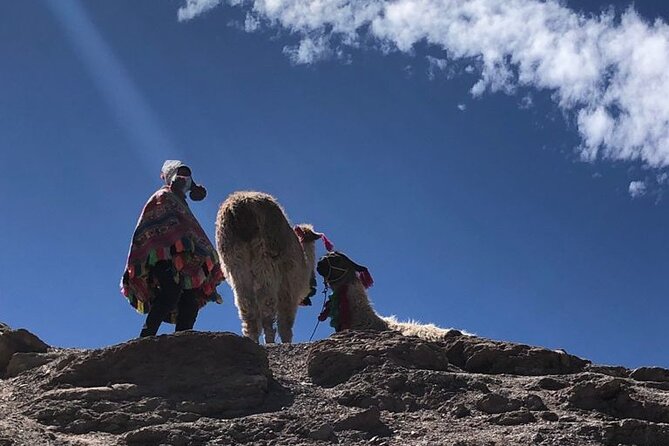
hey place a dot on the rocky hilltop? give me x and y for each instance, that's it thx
(198, 388)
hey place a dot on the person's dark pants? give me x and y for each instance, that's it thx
(170, 296)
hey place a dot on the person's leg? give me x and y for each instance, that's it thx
(188, 307)
(165, 300)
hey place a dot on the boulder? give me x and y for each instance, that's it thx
(130, 387)
(494, 403)
(513, 418)
(334, 360)
(18, 341)
(21, 362)
(366, 421)
(635, 432)
(194, 365)
(479, 355)
(618, 398)
(657, 374)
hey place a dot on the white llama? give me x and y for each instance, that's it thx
(268, 264)
(349, 306)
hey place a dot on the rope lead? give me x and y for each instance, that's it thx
(318, 321)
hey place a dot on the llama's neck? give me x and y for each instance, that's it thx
(310, 256)
(363, 316)
(308, 270)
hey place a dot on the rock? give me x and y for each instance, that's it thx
(366, 421)
(480, 355)
(217, 389)
(550, 416)
(637, 433)
(494, 403)
(551, 384)
(177, 378)
(114, 392)
(150, 364)
(617, 398)
(418, 389)
(323, 433)
(650, 374)
(146, 436)
(513, 418)
(615, 371)
(21, 362)
(334, 360)
(534, 403)
(596, 394)
(21, 341)
(461, 411)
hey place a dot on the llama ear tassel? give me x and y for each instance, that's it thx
(365, 278)
(328, 244)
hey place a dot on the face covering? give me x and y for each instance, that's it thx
(181, 184)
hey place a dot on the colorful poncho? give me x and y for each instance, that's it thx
(168, 230)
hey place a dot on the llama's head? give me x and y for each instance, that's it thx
(306, 233)
(338, 270)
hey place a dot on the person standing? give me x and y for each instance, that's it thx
(172, 269)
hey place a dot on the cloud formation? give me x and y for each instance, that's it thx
(637, 189)
(610, 72)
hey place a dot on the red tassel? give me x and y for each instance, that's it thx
(325, 313)
(366, 278)
(328, 244)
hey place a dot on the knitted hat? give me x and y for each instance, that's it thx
(169, 170)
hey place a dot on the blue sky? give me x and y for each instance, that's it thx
(471, 211)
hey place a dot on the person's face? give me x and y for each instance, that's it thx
(184, 171)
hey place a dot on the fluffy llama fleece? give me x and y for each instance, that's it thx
(268, 264)
(355, 310)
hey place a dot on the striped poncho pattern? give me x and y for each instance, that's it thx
(168, 230)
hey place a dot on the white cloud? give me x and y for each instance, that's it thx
(610, 73)
(637, 189)
(308, 50)
(435, 66)
(193, 8)
(251, 23)
(526, 102)
(462, 107)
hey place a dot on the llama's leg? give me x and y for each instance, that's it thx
(249, 313)
(250, 324)
(286, 320)
(269, 329)
(268, 310)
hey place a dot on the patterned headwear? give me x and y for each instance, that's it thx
(169, 170)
